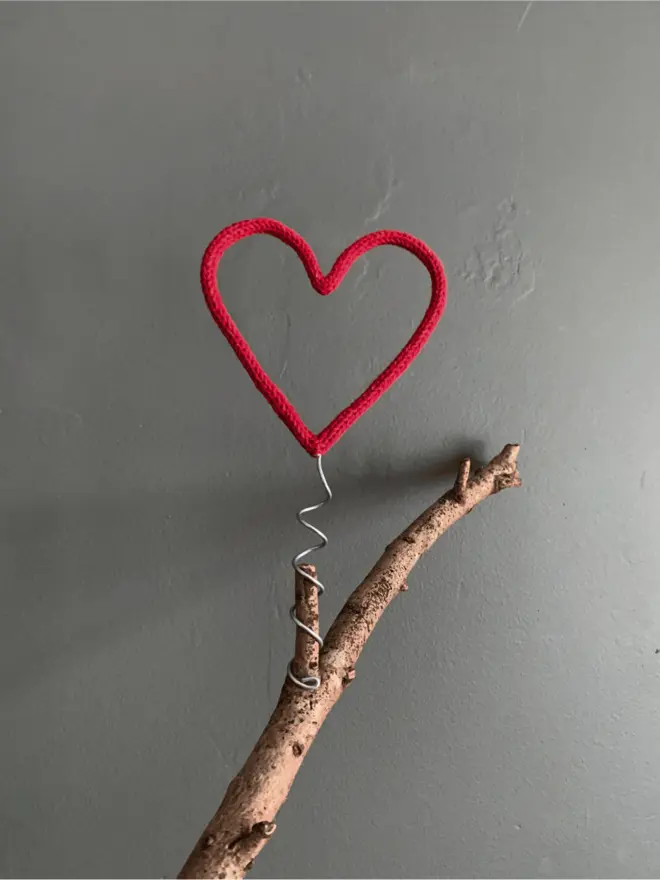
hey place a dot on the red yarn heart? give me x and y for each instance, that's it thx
(319, 444)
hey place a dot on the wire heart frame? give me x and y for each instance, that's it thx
(319, 444)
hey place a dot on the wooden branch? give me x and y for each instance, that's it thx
(244, 822)
(462, 477)
(306, 657)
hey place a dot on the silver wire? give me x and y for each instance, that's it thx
(310, 682)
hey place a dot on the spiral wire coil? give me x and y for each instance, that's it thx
(310, 682)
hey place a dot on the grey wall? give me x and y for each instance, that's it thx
(505, 719)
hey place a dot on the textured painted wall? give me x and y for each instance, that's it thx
(506, 714)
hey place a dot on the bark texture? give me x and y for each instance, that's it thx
(244, 822)
(306, 657)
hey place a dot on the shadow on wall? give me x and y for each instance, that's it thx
(95, 569)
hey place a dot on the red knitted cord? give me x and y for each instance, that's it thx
(319, 444)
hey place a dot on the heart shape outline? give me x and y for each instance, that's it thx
(319, 444)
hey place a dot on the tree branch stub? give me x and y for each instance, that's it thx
(306, 656)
